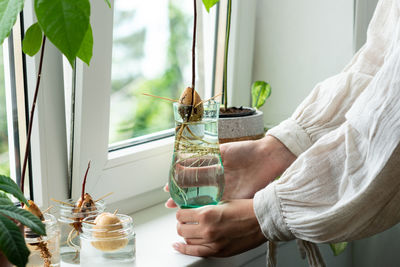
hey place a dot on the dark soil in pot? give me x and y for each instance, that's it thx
(236, 112)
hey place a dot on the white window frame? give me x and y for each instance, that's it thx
(48, 143)
(241, 50)
(12, 110)
(135, 174)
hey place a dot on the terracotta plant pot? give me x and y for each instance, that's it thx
(233, 129)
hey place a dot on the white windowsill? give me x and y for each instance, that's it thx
(155, 234)
(155, 229)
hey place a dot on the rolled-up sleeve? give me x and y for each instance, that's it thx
(325, 108)
(346, 186)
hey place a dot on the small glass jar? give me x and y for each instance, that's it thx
(108, 244)
(70, 223)
(45, 250)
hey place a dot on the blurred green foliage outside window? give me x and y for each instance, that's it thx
(4, 159)
(151, 54)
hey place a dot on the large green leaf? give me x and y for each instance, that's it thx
(9, 10)
(24, 217)
(209, 4)
(65, 23)
(32, 40)
(260, 91)
(9, 186)
(5, 200)
(12, 243)
(86, 51)
(338, 248)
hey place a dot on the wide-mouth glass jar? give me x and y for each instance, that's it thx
(109, 243)
(196, 174)
(45, 250)
(70, 220)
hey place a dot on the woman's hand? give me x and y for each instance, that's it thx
(223, 230)
(250, 166)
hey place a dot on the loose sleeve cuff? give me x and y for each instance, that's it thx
(269, 216)
(292, 135)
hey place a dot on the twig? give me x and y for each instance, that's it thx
(88, 222)
(204, 101)
(46, 210)
(62, 202)
(32, 113)
(115, 211)
(164, 98)
(103, 197)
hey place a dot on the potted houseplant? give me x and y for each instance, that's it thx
(239, 123)
(67, 25)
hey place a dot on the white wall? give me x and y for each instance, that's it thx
(298, 44)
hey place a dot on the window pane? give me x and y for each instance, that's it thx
(4, 158)
(151, 54)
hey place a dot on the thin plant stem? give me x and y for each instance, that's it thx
(32, 113)
(194, 47)
(84, 183)
(228, 33)
(193, 59)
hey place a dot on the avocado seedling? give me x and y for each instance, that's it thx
(108, 232)
(41, 245)
(82, 208)
(196, 148)
(84, 204)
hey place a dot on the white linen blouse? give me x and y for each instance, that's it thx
(345, 183)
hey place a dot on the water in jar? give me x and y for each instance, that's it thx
(110, 245)
(44, 250)
(196, 174)
(69, 221)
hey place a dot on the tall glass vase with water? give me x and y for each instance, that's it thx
(196, 174)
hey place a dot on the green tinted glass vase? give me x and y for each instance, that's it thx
(196, 174)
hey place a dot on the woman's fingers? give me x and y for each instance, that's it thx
(170, 204)
(202, 248)
(189, 231)
(194, 250)
(187, 216)
(166, 188)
